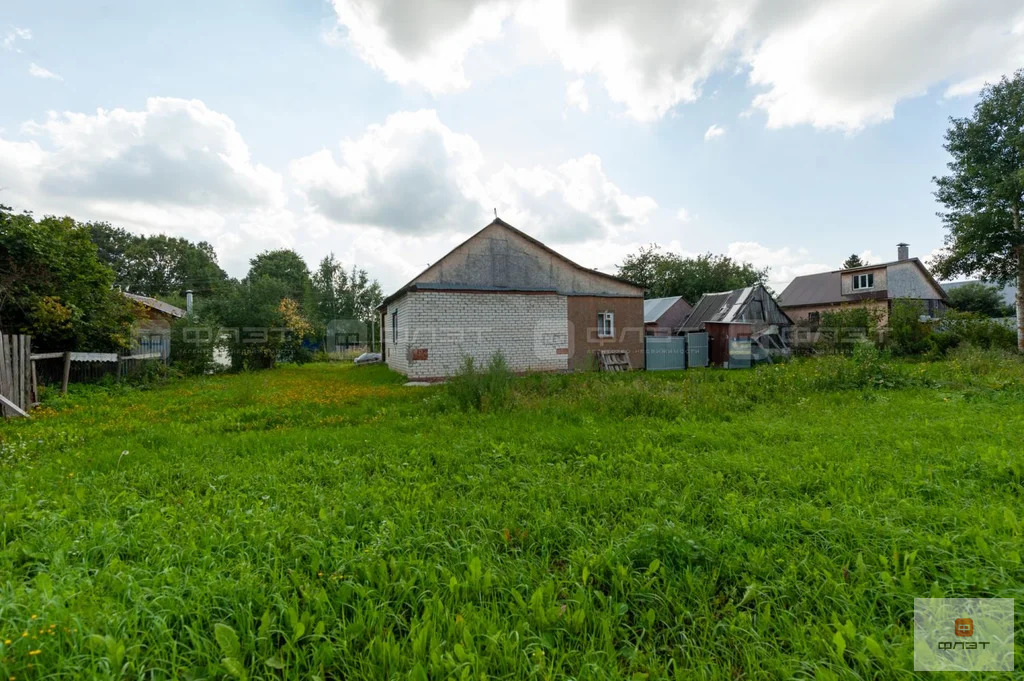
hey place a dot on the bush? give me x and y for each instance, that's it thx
(844, 329)
(191, 345)
(908, 335)
(974, 329)
(472, 389)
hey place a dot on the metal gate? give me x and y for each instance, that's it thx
(697, 349)
(665, 352)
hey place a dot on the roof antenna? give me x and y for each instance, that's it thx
(495, 213)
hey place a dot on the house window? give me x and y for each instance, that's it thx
(394, 326)
(814, 317)
(862, 281)
(605, 324)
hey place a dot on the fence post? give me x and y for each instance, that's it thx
(35, 382)
(67, 374)
(5, 370)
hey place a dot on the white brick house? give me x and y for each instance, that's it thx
(503, 291)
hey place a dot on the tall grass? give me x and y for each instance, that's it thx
(481, 390)
(324, 522)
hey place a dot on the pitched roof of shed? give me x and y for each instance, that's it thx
(159, 305)
(752, 304)
(655, 307)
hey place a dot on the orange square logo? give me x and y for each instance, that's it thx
(963, 626)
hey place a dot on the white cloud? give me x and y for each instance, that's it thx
(714, 131)
(841, 65)
(846, 64)
(413, 175)
(419, 42)
(576, 95)
(175, 167)
(868, 257)
(38, 71)
(785, 263)
(13, 35)
(574, 202)
(683, 215)
(410, 174)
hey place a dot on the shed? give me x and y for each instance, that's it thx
(745, 313)
(662, 316)
(152, 328)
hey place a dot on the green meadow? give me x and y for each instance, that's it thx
(325, 522)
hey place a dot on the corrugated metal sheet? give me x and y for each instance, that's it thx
(751, 305)
(654, 308)
(160, 305)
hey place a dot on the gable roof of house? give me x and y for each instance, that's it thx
(155, 304)
(413, 283)
(654, 308)
(749, 305)
(826, 288)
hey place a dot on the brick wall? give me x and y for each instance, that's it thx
(437, 329)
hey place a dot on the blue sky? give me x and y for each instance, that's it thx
(387, 132)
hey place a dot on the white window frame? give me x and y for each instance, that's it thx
(606, 324)
(394, 326)
(868, 279)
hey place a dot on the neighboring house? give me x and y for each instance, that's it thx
(873, 287)
(503, 291)
(152, 327)
(663, 316)
(749, 312)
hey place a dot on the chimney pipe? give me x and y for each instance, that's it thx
(188, 301)
(903, 251)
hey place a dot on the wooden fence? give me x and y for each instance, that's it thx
(17, 378)
(22, 372)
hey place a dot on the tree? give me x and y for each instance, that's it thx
(254, 322)
(984, 193)
(285, 266)
(158, 265)
(667, 274)
(54, 286)
(853, 261)
(980, 298)
(342, 295)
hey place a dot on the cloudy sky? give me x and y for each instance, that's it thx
(789, 133)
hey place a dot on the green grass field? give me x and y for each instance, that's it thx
(325, 522)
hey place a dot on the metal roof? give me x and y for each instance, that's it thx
(160, 305)
(826, 288)
(749, 305)
(813, 289)
(655, 307)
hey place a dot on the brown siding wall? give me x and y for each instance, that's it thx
(629, 329)
(718, 339)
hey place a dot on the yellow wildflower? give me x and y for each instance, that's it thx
(35, 652)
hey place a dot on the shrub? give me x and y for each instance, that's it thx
(478, 390)
(191, 351)
(842, 330)
(907, 335)
(974, 329)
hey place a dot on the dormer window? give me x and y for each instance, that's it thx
(863, 281)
